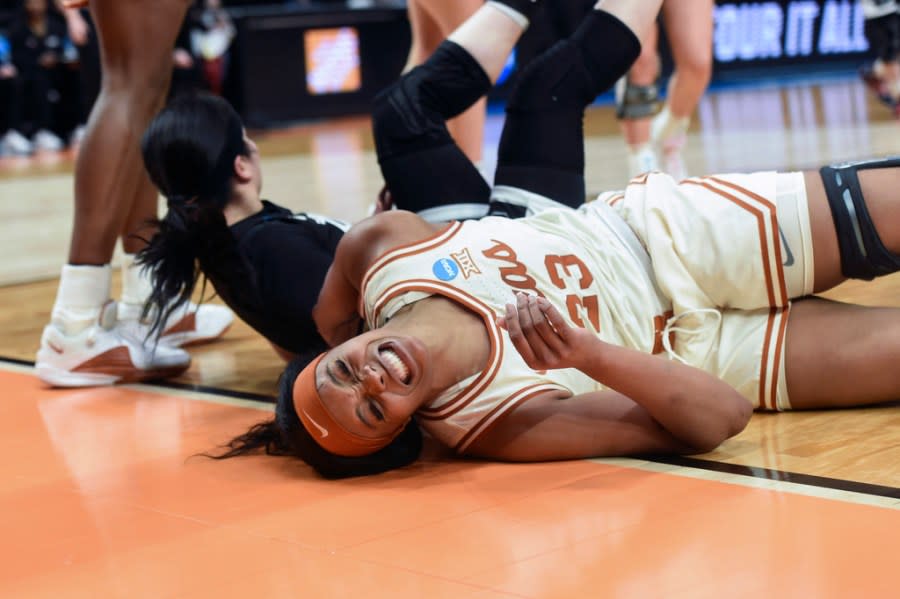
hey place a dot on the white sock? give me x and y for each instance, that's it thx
(83, 291)
(641, 159)
(512, 13)
(136, 288)
(666, 127)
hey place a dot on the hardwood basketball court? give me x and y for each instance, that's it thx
(103, 495)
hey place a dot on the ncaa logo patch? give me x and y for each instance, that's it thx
(445, 269)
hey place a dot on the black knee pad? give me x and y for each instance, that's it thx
(571, 74)
(863, 255)
(410, 114)
(555, 81)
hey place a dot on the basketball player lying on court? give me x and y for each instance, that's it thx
(653, 320)
(200, 159)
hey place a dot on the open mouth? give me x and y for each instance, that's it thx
(394, 364)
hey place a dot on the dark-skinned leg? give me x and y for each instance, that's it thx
(879, 188)
(82, 345)
(841, 355)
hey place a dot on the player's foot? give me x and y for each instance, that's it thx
(672, 157)
(188, 325)
(104, 353)
(876, 84)
(642, 161)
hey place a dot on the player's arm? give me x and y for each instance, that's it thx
(337, 310)
(651, 404)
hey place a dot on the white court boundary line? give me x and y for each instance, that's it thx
(638, 464)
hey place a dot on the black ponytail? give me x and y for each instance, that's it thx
(285, 435)
(189, 151)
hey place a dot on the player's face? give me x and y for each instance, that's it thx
(253, 155)
(373, 383)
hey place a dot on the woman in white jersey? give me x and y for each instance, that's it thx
(652, 320)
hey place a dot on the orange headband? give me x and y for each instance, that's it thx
(319, 422)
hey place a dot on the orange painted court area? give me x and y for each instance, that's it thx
(101, 498)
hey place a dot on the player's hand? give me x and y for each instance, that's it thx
(543, 337)
(384, 202)
(79, 30)
(74, 3)
(182, 59)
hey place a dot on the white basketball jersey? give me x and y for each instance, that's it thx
(587, 263)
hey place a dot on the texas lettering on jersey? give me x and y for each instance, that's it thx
(565, 272)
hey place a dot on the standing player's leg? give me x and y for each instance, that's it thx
(82, 345)
(689, 27)
(637, 101)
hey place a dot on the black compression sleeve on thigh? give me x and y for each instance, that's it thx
(411, 113)
(421, 164)
(434, 177)
(863, 254)
(542, 146)
(609, 48)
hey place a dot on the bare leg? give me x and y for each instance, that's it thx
(842, 355)
(636, 131)
(689, 26)
(879, 188)
(490, 51)
(84, 344)
(136, 41)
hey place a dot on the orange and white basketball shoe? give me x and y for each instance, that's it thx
(104, 353)
(189, 324)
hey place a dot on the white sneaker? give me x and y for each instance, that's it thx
(15, 144)
(104, 354)
(188, 325)
(47, 140)
(197, 324)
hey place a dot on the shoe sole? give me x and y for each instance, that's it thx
(56, 377)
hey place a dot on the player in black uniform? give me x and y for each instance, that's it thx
(267, 264)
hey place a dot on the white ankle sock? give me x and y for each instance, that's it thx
(83, 291)
(666, 127)
(512, 13)
(136, 288)
(641, 159)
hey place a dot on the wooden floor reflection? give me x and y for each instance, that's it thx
(101, 497)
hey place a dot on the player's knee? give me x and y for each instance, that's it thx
(696, 67)
(397, 113)
(555, 80)
(863, 253)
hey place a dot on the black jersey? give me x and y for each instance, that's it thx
(289, 255)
